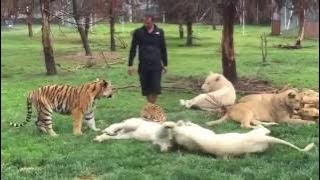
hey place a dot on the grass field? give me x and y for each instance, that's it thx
(28, 154)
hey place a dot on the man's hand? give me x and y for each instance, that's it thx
(164, 69)
(130, 70)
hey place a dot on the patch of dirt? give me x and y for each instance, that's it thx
(243, 86)
(254, 86)
(192, 83)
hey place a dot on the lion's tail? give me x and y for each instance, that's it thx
(280, 141)
(219, 121)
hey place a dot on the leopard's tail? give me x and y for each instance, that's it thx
(29, 112)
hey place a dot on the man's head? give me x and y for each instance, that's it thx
(148, 22)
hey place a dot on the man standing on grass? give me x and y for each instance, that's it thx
(152, 58)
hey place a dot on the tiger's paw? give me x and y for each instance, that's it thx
(77, 133)
(52, 133)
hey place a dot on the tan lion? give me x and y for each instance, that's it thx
(265, 109)
(219, 92)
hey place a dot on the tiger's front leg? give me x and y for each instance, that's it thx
(90, 121)
(77, 117)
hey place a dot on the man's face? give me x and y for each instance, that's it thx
(148, 23)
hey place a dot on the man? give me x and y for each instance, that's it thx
(152, 58)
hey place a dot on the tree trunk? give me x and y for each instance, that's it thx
(130, 7)
(213, 5)
(257, 13)
(46, 42)
(112, 39)
(301, 20)
(84, 37)
(214, 27)
(228, 57)
(29, 12)
(181, 35)
(189, 33)
(29, 22)
(147, 8)
(87, 25)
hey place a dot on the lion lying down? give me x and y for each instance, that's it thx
(139, 129)
(196, 138)
(265, 109)
(219, 92)
(193, 137)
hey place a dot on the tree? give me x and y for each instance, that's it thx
(188, 11)
(299, 8)
(213, 14)
(9, 8)
(228, 56)
(46, 41)
(181, 32)
(29, 13)
(189, 29)
(78, 14)
(112, 22)
(14, 8)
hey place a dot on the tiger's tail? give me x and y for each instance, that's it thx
(29, 112)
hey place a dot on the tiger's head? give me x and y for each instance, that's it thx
(101, 88)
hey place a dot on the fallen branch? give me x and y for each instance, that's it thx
(287, 46)
(105, 59)
(163, 87)
(71, 69)
(116, 62)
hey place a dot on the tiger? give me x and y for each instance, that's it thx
(79, 102)
(153, 112)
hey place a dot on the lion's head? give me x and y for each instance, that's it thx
(215, 81)
(292, 99)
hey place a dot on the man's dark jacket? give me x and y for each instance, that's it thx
(152, 49)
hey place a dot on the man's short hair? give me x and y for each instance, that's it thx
(148, 16)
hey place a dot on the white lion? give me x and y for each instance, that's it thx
(139, 129)
(196, 138)
(219, 92)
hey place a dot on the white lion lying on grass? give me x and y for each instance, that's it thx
(219, 92)
(139, 129)
(196, 138)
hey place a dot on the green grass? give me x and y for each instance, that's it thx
(28, 154)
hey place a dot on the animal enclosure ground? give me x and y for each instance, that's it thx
(27, 154)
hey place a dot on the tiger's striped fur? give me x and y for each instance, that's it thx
(65, 99)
